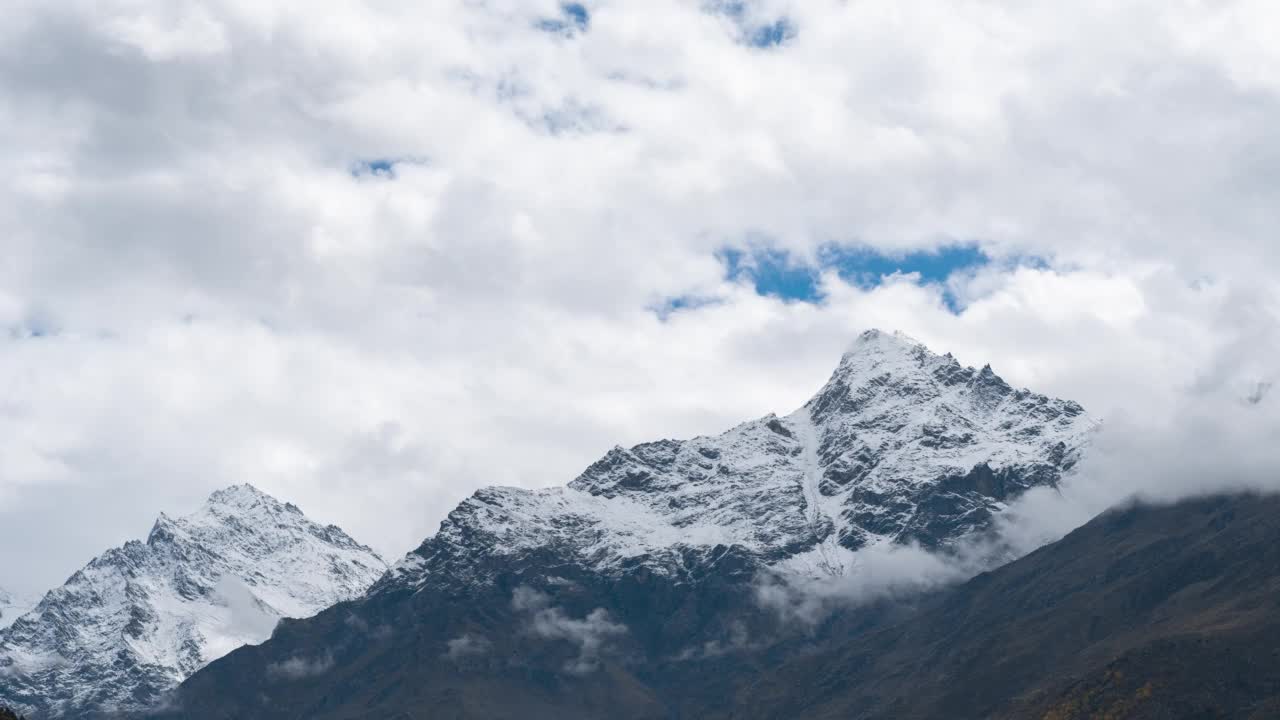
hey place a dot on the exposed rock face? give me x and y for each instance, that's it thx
(139, 618)
(644, 564)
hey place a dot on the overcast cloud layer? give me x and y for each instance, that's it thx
(371, 256)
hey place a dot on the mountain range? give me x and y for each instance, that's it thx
(634, 590)
(731, 576)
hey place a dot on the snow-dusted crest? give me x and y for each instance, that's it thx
(900, 446)
(140, 618)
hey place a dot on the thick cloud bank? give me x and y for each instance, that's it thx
(373, 257)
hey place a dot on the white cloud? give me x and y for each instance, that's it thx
(1217, 438)
(591, 634)
(298, 667)
(467, 646)
(196, 290)
(878, 572)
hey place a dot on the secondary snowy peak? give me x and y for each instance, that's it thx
(140, 618)
(901, 445)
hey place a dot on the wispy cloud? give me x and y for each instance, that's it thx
(298, 668)
(467, 646)
(590, 635)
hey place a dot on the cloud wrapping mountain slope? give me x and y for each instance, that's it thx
(139, 618)
(1144, 612)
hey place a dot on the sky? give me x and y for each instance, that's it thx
(371, 256)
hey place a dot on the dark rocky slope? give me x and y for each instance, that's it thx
(1145, 612)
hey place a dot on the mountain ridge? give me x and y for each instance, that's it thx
(644, 565)
(900, 445)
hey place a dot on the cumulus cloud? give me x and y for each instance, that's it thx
(590, 634)
(1216, 443)
(1216, 435)
(206, 280)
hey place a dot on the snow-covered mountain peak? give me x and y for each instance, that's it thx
(245, 497)
(900, 445)
(877, 347)
(245, 501)
(139, 618)
(876, 354)
(885, 372)
(898, 423)
(875, 339)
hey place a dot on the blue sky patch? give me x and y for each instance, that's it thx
(772, 34)
(774, 272)
(574, 18)
(381, 166)
(577, 12)
(866, 267)
(752, 32)
(384, 167)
